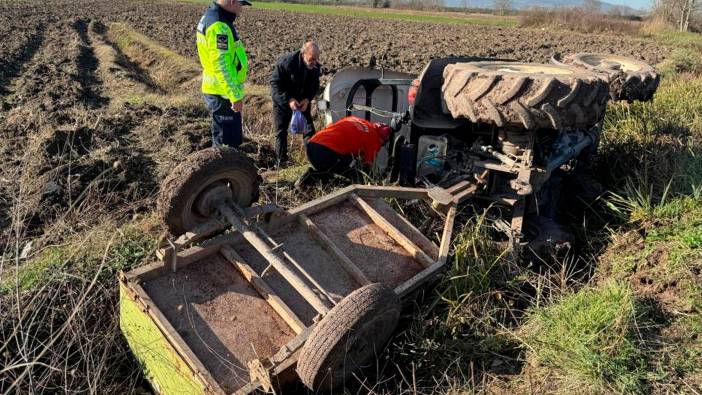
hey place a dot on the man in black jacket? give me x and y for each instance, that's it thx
(294, 84)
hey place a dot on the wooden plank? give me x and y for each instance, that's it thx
(346, 263)
(312, 207)
(339, 196)
(406, 227)
(185, 258)
(146, 272)
(372, 191)
(196, 253)
(175, 339)
(200, 233)
(263, 289)
(207, 248)
(446, 235)
(418, 280)
(391, 230)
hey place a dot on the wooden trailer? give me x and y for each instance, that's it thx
(254, 298)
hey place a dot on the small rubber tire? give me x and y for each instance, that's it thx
(525, 96)
(349, 337)
(176, 204)
(629, 79)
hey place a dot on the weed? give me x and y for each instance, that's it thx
(578, 20)
(654, 148)
(587, 338)
(460, 331)
(682, 60)
(62, 312)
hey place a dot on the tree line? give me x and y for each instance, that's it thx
(683, 15)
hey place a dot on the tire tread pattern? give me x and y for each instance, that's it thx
(524, 100)
(328, 339)
(184, 178)
(631, 85)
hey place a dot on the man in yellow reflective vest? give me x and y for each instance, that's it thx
(224, 69)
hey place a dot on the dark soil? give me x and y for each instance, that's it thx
(352, 41)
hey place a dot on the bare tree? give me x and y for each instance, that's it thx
(502, 6)
(689, 7)
(678, 12)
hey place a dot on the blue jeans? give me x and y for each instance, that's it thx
(226, 124)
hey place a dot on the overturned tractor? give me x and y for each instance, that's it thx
(509, 132)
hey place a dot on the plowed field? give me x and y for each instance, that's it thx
(68, 126)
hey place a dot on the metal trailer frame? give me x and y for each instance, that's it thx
(141, 320)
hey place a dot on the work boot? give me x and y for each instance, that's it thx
(306, 179)
(282, 162)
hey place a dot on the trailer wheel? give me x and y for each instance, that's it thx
(349, 337)
(525, 96)
(629, 79)
(189, 194)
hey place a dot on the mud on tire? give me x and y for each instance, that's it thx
(176, 205)
(629, 79)
(348, 337)
(524, 96)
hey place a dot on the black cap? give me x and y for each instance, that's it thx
(245, 2)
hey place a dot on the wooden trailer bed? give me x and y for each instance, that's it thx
(212, 316)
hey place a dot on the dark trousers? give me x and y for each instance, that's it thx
(325, 160)
(282, 114)
(226, 123)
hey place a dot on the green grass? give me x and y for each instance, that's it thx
(653, 164)
(669, 246)
(407, 16)
(679, 39)
(586, 339)
(652, 152)
(128, 246)
(662, 258)
(685, 54)
(636, 327)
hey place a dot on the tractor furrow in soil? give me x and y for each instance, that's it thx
(87, 65)
(46, 130)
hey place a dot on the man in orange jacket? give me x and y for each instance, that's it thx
(334, 149)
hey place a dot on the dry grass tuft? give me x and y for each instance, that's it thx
(577, 19)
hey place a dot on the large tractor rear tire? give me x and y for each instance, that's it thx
(525, 96)
(349, 337)
(191, 191)
(629, 79)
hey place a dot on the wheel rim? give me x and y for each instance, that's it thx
(202, 199)
(610, 62)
